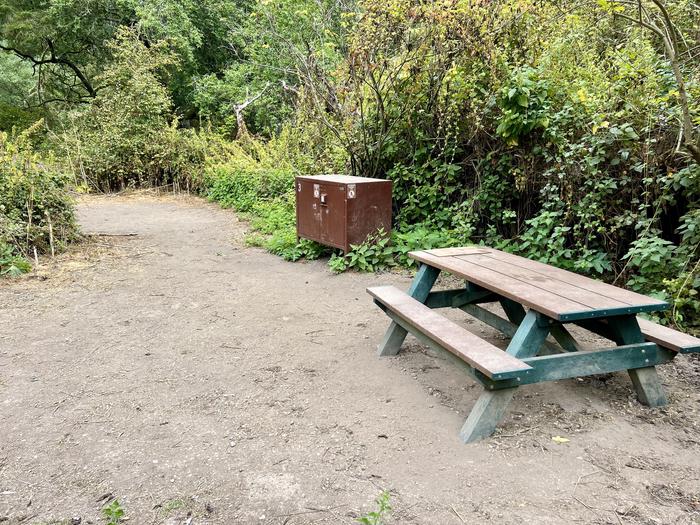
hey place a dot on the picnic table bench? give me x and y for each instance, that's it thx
(538, 301)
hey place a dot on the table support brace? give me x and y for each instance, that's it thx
(527, 341)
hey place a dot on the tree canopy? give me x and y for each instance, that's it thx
(66, 42)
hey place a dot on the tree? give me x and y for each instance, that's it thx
(63, 41)
(278, 43)
(656, 16)
(66, 41)
(122, 134)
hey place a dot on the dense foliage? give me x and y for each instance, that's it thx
(127, 135)
(555, 132)
(35, 209)
(67, 42)
(567, 132)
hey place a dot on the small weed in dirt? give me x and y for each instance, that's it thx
(170, 506)
(114, 513)
(173, 504)
(383, 508)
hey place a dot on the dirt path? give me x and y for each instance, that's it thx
(196, 379)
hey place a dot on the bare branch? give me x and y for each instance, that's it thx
(242, 130)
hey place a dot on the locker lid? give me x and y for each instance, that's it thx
(341, 179)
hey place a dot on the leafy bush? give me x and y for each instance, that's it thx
(264, 195)
(127, 135)
(422, 237)
(36, 211)
(14, 117)
(374, 254)
(244, 188)
(524, 105)
(11, 264)
(381, 251)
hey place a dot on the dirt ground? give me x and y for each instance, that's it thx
(199, 381)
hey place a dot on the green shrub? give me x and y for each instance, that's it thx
(36, 211)
(266, 197)
(12, 264)
(376, 253)
(18, 118)
(524, 105)
(381, 251)
(270, 216)
(421, 237)
(243, 188)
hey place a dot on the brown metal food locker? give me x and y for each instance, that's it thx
(340, 210)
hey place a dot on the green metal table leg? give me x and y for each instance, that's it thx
(514, 311)
(491, 405)
(419, 290)
(564, 338)
(485, 415)
(646, 381)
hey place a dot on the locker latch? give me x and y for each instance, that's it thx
(323, 199)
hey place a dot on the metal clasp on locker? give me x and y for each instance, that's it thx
(323, 199)
(317, 191)
(352, 191)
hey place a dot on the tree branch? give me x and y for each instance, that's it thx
(668, 34)
(53, 59)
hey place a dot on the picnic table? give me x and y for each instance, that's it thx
(538, 300)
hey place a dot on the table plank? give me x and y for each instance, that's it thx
(607, 290)
(554, 292)
(469, 347)
(450, 252)
(526, 294)
(564, 289)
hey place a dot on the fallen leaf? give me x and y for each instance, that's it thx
(559, 439)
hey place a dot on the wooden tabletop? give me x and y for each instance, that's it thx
(557, 293)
